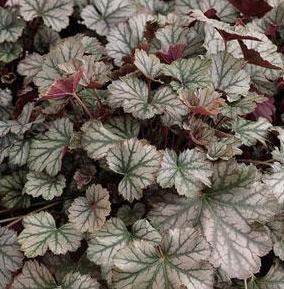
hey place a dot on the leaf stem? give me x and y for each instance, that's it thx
(267, 163)
(19, 218)
(82, 104)
(246, 284)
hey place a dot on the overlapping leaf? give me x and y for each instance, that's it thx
(47, 150)
(89, 213)
(10, 256)
(138, 162)
(55, 14)
(40, 234)
(189, 172)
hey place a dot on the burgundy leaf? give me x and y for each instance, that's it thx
(233, 36)
(212, 14)
(64, 87)
(265, 109)
(251, 8)
(174, 52)
(253, 57)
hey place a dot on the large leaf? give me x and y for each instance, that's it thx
(123, 37)
(138, 162)
(178, 261)
(103, 15)
(11, 26)
(106, 243)
(40, 234)
(41, 184)
(47, 150)
(89, 213)
(189, 172)
(36, 276)
(98, 138)
(189, 73)
(10, 256)
(225, 212)
(228, 74)
(55, 14)
(249, 132)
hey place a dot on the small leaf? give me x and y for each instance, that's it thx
(179, 261)
(10, 51)
(47, 150)
(203, 101)
(55, 14)
(189, 171)
(10, 255)
(98, 138)
(40, 234)
(249, 132)
(138, 162)
(89, 213)
(41, 184)
(101, 16)
(149, 65)
(190, 73)
(11, 26)
(130, 215)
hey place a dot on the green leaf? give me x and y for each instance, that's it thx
(178, 261)
(138, 162)
(36, 276)
(11, 190)
(98, 138)
(132, 94)
(103, 15)
(40, 184)
(226, 213)
(106, 243)
(189, 73)
(149, 65)
(40, 233)
(10, 51)
(11, 26)
(89, 213)
(10, 255)
(228, 74)
(55, 14)
(249, 132)
(47, 150)
(130, 215)
(189, 172)
(123, 37)
(45, 38)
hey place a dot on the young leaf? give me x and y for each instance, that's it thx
(55, 14)
(149, 65)
(11, 26)
(189, 73)
(178, 261)
(40, 234)
(98, 138)
(40, 184)
(47, 150)
(103, 15)
(89, 213)
(138, 162)
(10, 255)
(189, 171)
(228, 74)
(225, 213)
(249, 132)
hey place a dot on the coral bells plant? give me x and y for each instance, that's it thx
(141, 144)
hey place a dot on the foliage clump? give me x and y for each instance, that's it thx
(141, 144)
